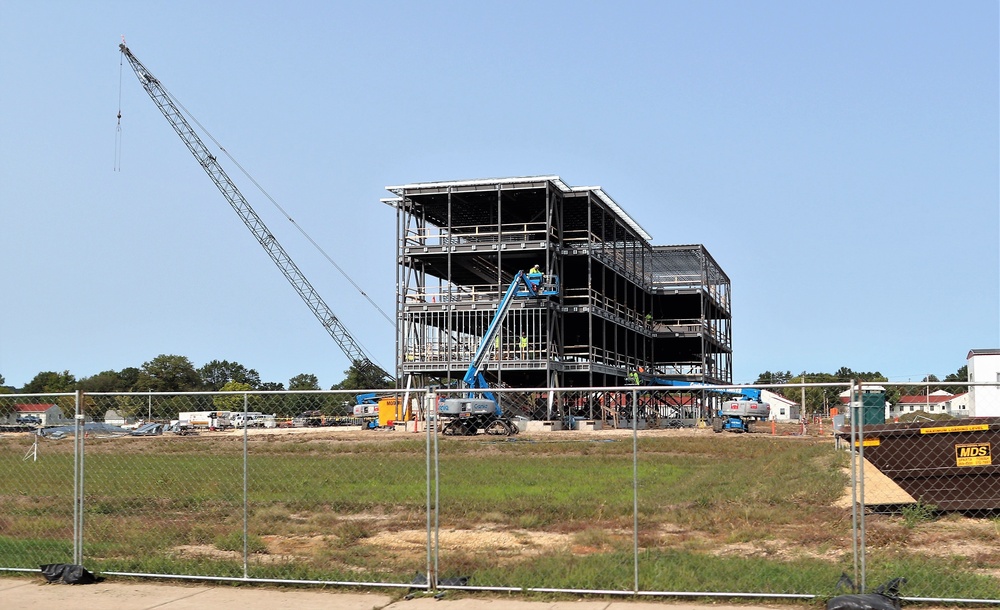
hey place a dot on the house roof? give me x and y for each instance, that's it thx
(32, 408)
(774, 397)
(924, 399)
(983, 352)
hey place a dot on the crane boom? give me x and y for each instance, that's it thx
(291, 271)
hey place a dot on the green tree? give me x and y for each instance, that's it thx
(105, 381)
(169, 373)
(298, 403)
(362, 377)
(358, 377)
(51, 382)
(303, 381)
(960, 376)
(235, 402)
(129, 378)
(767, 377)
(218, 373)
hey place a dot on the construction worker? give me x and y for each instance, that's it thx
(535, 277)
(524, 346)
(633, 378)
(496, 347)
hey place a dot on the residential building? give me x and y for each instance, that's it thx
(984, 367)
(782, 409)
(935, 403)
(49, 414)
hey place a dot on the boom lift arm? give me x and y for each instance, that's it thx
(523, 285)
(210, 164)
(468, 414)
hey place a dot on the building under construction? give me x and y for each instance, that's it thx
(623, 304)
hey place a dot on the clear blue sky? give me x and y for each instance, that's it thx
(839, 160)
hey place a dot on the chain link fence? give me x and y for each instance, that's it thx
(926, 488)
(646, 491)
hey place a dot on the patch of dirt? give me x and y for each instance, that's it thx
(779, 549)
(502, 543)
(959, 537)
(493, 539)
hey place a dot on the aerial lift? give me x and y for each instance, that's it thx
(479, 409)
(736, 414)
(739, 414)
(210, 164)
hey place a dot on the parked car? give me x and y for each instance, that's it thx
(29, 420)
(151, 429)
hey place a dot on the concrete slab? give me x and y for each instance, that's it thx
(544, 426)
(32, 593)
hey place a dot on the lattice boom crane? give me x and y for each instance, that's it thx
(250, 218)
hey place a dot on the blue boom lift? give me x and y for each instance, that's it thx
(480, 409)
(733, 415)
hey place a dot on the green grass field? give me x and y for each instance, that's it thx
(715, 513)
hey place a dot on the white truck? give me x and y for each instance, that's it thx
(251, 419)
(213, 420)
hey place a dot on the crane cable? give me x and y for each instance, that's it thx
(280, 209)
(118, 130)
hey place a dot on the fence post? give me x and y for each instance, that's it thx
(246, 487)
(635, 491)
(78, 442)
(433, 487)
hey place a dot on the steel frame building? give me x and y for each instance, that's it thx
(623, 304)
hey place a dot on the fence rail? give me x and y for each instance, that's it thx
(639, 498)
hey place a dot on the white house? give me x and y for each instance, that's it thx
(984, 367)
(782, 409)
(50, 414)
(938, 402)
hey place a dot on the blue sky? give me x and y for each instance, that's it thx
(839, 160)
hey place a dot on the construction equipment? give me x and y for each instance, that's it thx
(210, 164)
(480, 410)
(734, 414)
(383, 410)
(739, 415)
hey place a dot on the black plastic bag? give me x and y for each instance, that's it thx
(71, 574)
(884, 597)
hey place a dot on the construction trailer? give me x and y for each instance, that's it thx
(624, 303)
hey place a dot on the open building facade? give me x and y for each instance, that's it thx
(623, 304)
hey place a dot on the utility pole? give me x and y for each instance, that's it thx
(803, 395)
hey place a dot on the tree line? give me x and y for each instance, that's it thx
(173, 373)
(820, 399)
